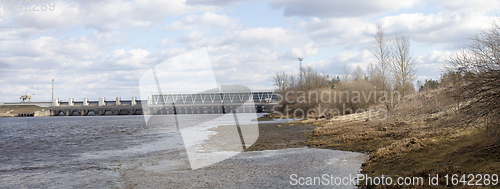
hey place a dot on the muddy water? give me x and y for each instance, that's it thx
(120, 151)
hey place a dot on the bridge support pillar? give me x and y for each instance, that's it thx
(56, 103)
(133, 102)
(70, 102)
(85, 102)
(84, 112)
(118, 102)
(102, 102)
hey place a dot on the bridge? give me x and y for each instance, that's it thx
(209, 102)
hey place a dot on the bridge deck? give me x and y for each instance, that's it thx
(161, 109)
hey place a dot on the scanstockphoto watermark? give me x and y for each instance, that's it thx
(325, 179)
(353, 99)
(28, 5)
(335, 114)
(200, 145)
(329, 96)
(354, 180)
(387, 180)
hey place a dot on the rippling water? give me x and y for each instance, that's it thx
(62, 152)
(46, 151)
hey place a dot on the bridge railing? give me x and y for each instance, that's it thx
(212, 98)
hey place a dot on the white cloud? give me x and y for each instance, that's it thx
(450, 29)
(431, 64)
(434, 57)
(266, 37)
(214, 2)
(354, 59)
(102, 15)
(132, 59)
(65, 14)
(468, 6)
(191, 36)
(338, 31)
(239, 39)
(441, 29)
(307, 50)
(73, 62)
(339, 8)
(205, 21)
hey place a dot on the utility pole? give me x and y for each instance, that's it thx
(52, 90)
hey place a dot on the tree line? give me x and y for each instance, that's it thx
(393, 71)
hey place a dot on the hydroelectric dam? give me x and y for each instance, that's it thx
(208, 102)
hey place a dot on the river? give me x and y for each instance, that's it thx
(123, 151)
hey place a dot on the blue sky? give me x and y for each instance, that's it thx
(101, 48)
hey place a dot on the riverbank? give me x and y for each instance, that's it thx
(419, 138)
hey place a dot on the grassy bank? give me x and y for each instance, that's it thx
(419, 138)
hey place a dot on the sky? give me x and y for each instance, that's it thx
(94, 48)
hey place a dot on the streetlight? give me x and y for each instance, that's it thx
(52, 90)
(300, 69)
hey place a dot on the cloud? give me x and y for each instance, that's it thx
(468, 6)
(64, 14)
(190, 37)
(302, 51)
(434, 57)
(206, 21)
(451, 29)
(79, 65)
(430, 65)
(441, 29)
(262, 36)
(348, 32)
(352, 59)
(339, 8)
(305, 51)
(104, 15)
(253, 68)
(214, 2)
(239, 39)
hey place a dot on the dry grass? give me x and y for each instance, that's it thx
(346, 97)
(421, 136)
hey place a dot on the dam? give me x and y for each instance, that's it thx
(209, 102)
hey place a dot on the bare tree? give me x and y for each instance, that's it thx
(313, 79)
(293, 81)
(478, 73)
(358, 74)
(381, 49)
(281, 81)
(402, 65)
(346, 72)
